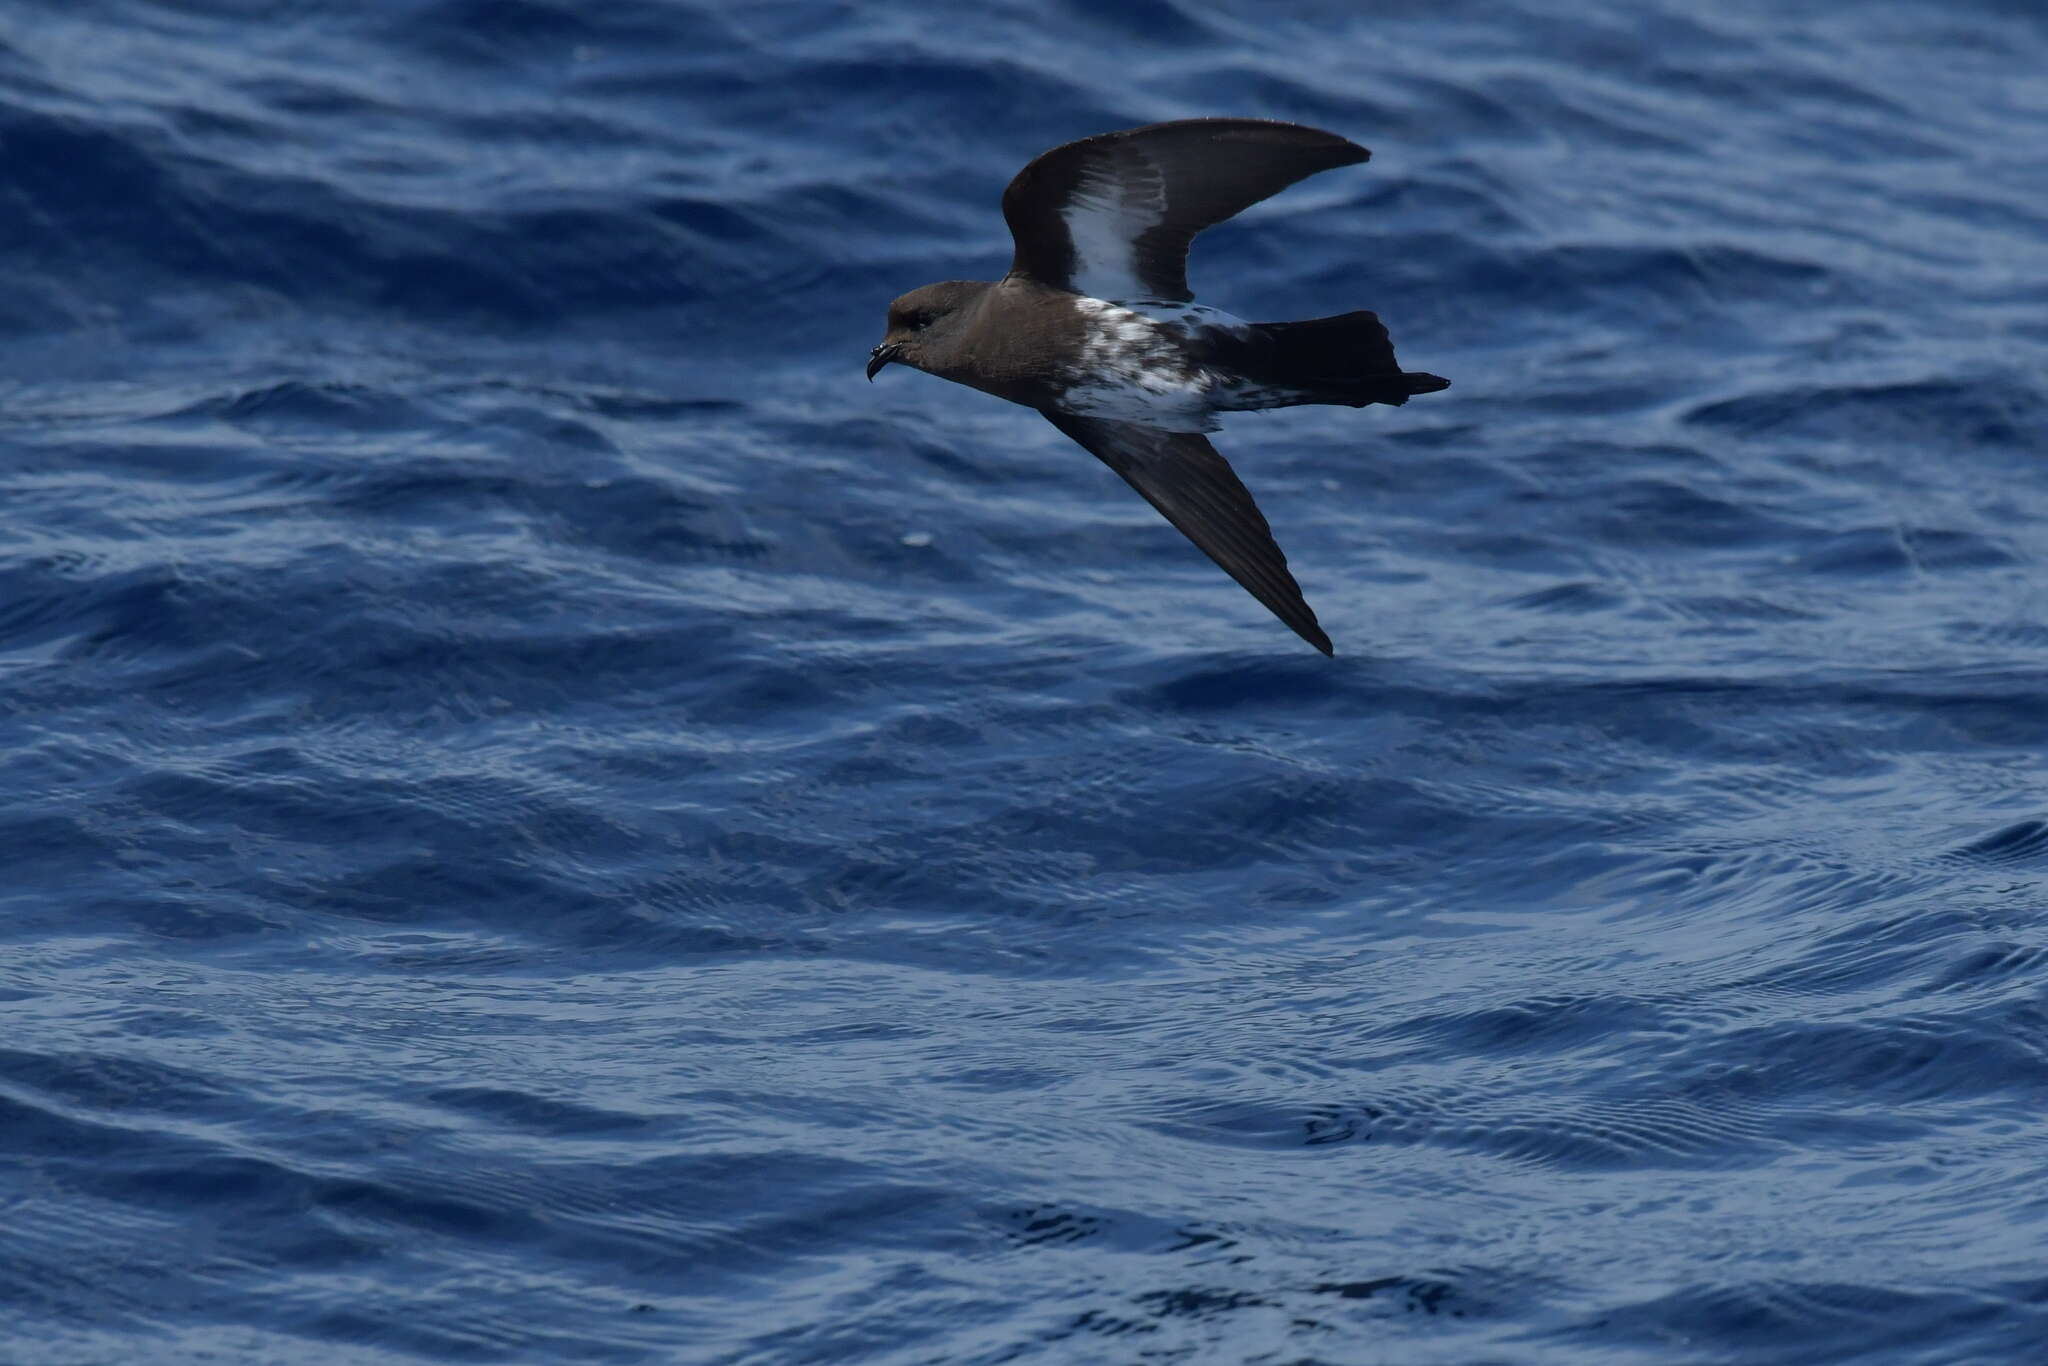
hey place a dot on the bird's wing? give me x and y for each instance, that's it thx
(1180, 474)
(1111, 216)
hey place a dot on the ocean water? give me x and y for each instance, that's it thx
(546, 821)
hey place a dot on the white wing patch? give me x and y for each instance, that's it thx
(1104, 219)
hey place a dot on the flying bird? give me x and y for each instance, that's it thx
(1095, 326)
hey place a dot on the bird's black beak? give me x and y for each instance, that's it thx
(881, 356)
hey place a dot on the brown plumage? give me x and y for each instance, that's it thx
(1095, 326)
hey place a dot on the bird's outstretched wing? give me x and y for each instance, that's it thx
(1111, 216)
(1180, 474)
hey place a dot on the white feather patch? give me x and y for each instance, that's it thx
(1104, 220)
(1189, 318)
(1133, 368)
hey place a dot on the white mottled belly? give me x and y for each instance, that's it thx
(1134, 365)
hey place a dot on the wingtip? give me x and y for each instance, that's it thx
(1305, 625)
(1342, 150)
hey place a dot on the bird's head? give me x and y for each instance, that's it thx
(920, 318)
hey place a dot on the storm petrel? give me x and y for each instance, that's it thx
(1095, 326)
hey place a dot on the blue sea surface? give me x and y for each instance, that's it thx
(547, 821)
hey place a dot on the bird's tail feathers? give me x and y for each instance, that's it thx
(1346, 359)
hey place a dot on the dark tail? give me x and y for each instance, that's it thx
(1346, 359)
